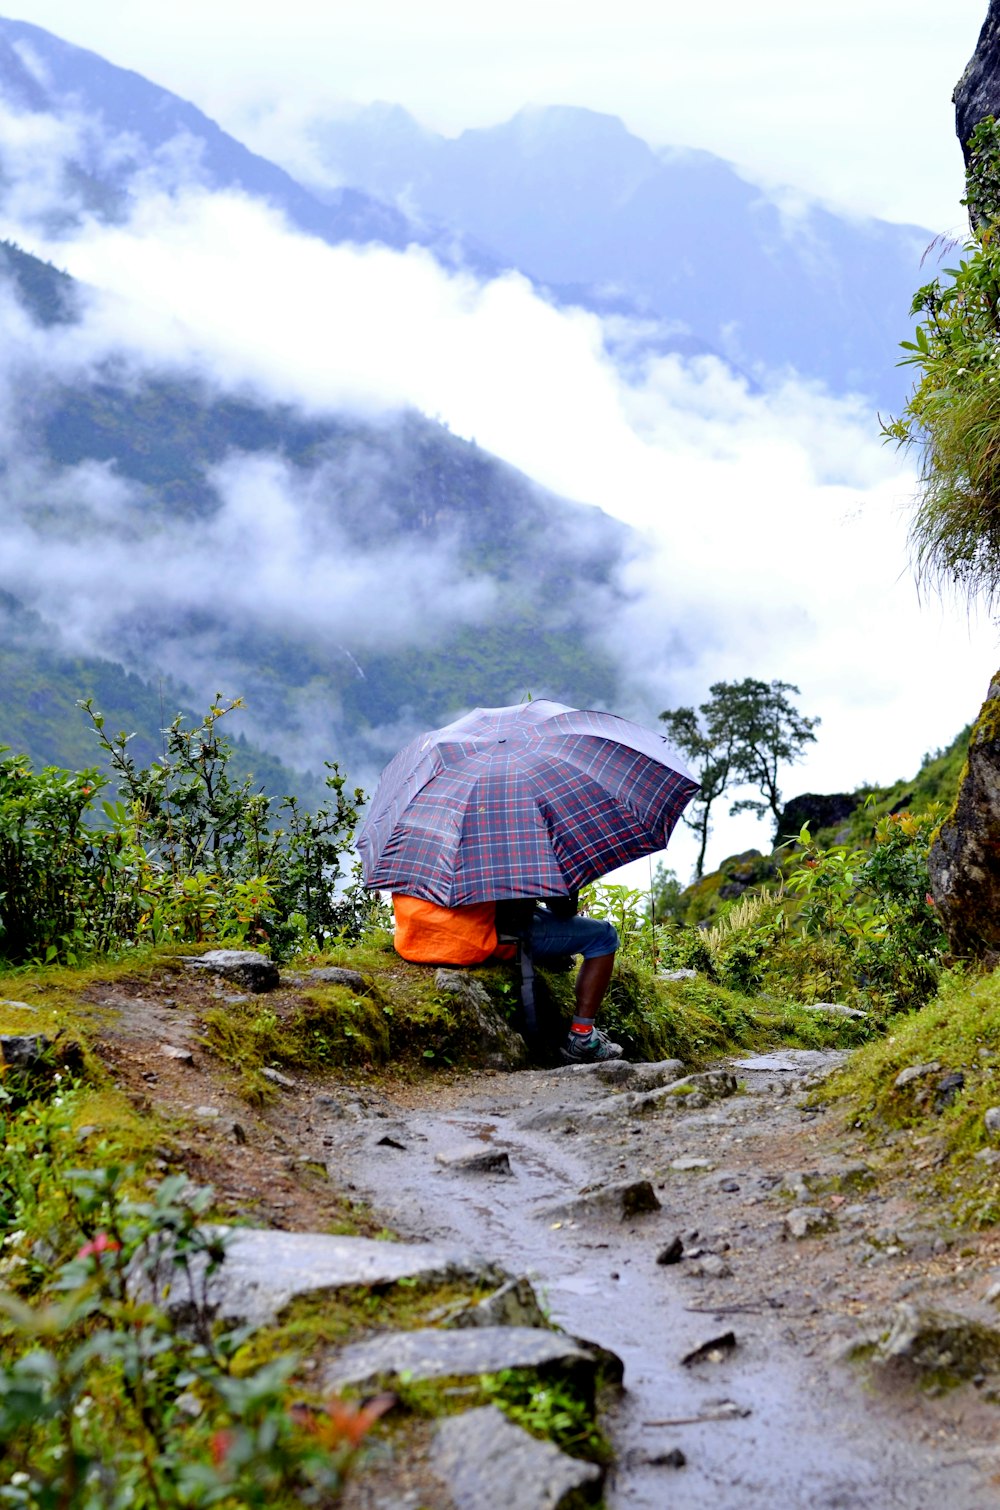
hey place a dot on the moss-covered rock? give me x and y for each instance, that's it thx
(964, 860)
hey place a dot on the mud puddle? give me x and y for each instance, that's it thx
(770, 1419)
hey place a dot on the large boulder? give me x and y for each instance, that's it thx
(831, 810)
(964, 859)
(977, 93)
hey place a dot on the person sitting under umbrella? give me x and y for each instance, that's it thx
(428, 934)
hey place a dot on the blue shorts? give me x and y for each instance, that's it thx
(579, 935)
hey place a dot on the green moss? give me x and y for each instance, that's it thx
(960, 1030)
(311, 1324)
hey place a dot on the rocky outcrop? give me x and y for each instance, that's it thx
(964, 860)
(977, 92)
(819, 811)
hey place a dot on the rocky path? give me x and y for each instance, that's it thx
(731, 1302)
(727, 1242)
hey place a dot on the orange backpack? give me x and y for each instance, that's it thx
(427, 934)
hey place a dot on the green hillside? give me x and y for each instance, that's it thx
(39, 715)
(374, 486)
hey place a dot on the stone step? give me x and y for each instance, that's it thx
(433, 1353)
(265, 1269)
(477, 1452)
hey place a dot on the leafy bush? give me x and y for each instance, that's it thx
(104, 1401)
(187, 853)
(953, 413)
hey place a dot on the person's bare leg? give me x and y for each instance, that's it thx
(591, 983)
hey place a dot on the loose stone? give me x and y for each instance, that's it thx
(915, 1072)
(253, 971)
(808, 1221)
(277, 1078)
(477, 1161)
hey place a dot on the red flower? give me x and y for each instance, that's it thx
(220, 1446)
(930, 900)
(341, 1423)
(99, 1244)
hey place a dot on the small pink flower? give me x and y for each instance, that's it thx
(99, 1244)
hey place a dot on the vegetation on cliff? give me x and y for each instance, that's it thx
(952, 415)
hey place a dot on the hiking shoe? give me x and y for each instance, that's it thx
(580, 1050)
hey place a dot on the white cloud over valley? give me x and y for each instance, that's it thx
(772, 523)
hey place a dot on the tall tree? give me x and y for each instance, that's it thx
(741, 736)
(768, 731)
(708, 747)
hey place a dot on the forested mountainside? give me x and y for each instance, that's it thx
(129, 467)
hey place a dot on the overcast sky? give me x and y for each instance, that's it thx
(851, 101)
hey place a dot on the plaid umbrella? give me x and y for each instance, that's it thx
(529, 801)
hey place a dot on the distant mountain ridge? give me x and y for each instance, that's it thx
(573, 197)
(674, 244)
(129, 105)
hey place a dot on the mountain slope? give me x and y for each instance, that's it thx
(347, 576)
(41, 73)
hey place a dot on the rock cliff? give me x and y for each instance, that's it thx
(964, 860)
(977, 92)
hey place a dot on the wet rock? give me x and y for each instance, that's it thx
(915, 1072)
(264, 1269)
(478, 1450)
(607, 1071)
(18, 1006)
(513, 1304)
(477, 1160)
(462, 1353)
(808, 1221)
(802, 1185)
(709, 1266)
(672, 1253)
(947, 1088)
(815, 1062)
(944, 1343)
(255, 972)
(617, 1201)
(503, 1049)
(336, 1106)
(834, 1009)
(171, 1051)
(677, 975)
(336, 975)
(672, 1458)
(711, 1083)
(991, 1121)
(277, 1078)
(712, 1351)
(23, 1051)
(650, 1077)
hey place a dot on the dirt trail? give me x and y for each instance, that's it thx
(785, 1424)
(812, 1434)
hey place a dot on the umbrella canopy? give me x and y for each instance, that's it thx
(529, 801)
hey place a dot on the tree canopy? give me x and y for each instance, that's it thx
(742, 736)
